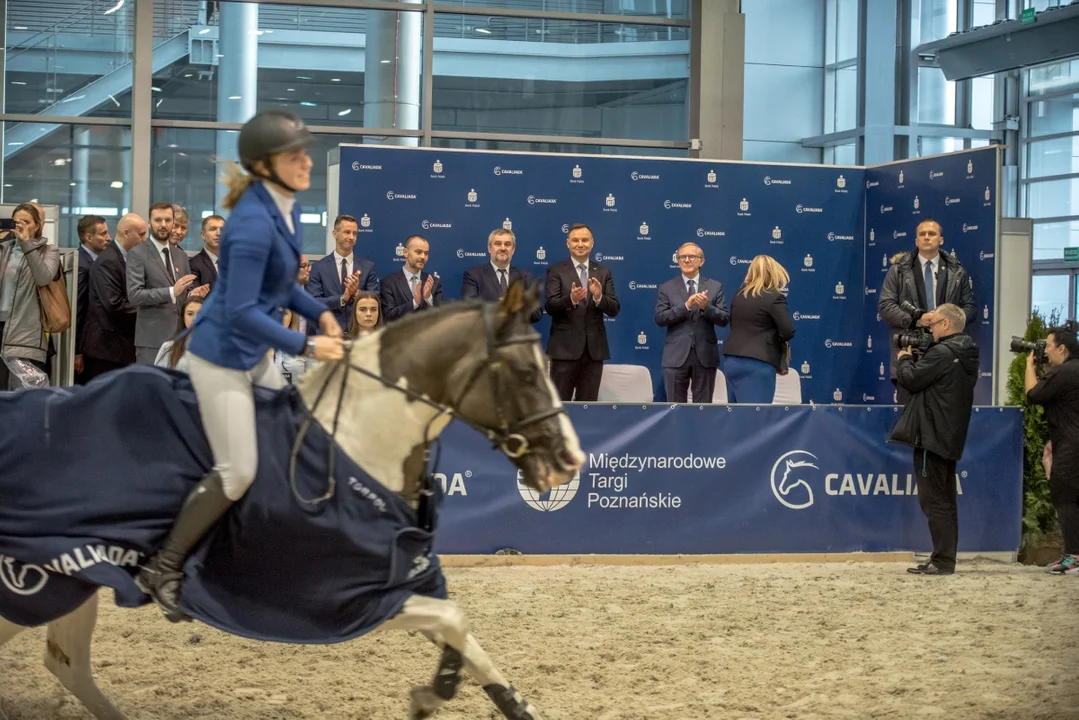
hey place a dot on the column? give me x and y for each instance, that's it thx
(877, 80)
(391, 75)
(237, 76)
(717, 78)
(80, 169)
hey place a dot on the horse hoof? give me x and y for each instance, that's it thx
(423, 703)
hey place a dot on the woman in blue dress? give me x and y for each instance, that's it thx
(238, 325)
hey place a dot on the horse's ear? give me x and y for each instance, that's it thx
(512, 301)
(531, 299)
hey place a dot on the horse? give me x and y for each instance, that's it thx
(375, 417)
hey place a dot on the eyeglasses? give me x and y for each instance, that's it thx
(304, 266)
(687, 258)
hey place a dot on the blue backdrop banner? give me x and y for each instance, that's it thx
(810, 218)
(692, 480)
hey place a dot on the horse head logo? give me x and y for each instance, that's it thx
(24, 579)
(787, 477)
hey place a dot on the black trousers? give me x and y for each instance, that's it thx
(937, 496)
(577, 379)
(1065, 498)
(677, 381)
(93, 367)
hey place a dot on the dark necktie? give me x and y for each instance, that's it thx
(692, 287)
(930, 288)
(168, 264)
(503, 285)
(344, 272)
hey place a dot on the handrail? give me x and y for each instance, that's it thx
(51, 31)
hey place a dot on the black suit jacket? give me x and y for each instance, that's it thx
(202, 267)
(481, 282)
(759, 327)
(573, 329)
(325, 285)
(110, 330)
(82, 303)
(397, 296)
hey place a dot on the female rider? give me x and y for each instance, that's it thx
(238, 325)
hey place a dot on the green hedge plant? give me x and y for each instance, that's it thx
(1039, 516)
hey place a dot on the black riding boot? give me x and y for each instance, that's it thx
(161, 577)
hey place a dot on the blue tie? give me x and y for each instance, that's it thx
(930, 288)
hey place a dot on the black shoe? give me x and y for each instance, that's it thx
(162, 576)
(929, 569)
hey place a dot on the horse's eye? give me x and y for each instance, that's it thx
(527, 375)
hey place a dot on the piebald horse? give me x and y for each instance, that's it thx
(395, 391)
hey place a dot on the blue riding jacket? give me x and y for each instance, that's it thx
(256, 277)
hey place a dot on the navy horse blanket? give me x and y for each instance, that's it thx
(91, 479)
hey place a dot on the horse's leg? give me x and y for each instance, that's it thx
(67, 656)
(444, 620)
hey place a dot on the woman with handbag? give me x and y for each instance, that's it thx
(28, 262)
(761, 328)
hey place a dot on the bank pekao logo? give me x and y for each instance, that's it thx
(917, 202)
(507, 225)
(776, 233)
(788, 482)
(987, 193)
(837, 395)
(22, 579)
(805, 367)
(399, 250)
(473, 196)
(839, 289)
(881, 371)
(437, 167)
(970, 167)
(556, 498)
(985, 313)
(577, 172)
(900, 177)
(743, 206)
(541, 254)
(365, 221)
(711, 176)
(643, 228)
(869, 342)
(872, 235)
(610, 200)
(841, 182)
(642, 339)
(884, 262)
(808, 262)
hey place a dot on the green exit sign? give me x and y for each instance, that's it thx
(1027, 16)
(1071, 254)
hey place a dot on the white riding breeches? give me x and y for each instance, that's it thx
(227, 408)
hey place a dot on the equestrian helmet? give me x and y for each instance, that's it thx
(269, 133)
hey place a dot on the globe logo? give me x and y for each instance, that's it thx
(788, 482)
(552, 500)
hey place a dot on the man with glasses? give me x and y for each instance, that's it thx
(927, 278)
(934, 422)
(690, 307)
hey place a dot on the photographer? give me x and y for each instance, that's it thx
(910, 276)
(934, 422)
(1058, 393)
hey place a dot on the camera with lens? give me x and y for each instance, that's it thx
(918, 338)
(1037, 348)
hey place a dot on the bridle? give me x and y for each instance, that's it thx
(505, 436)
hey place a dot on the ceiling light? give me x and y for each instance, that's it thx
(19, 27)
(308, 104)
(335, 79)
(119, 4)
(116, 184)
(17, 82)
(155, 88)
(235, 97)
(74, 184)
(302, 77)
(482, 31)
(14, 144)
(187, 75)
(384, 62)
(204, 31)
(290, 89)
(344, 112)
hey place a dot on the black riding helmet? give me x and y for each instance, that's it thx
(269, 133)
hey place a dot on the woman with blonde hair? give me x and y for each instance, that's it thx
(366, 314)
(761, 326)
(229, 351)
(27, 261)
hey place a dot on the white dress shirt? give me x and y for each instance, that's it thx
(283, 202)
(170, 269)
(419, 282)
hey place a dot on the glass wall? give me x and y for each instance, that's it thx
(548, 74)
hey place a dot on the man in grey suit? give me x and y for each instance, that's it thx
(690, 306)
(158, 276)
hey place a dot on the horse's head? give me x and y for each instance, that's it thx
(502, 387)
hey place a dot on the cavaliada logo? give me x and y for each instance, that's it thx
(358, 166)
(499, 170)
(601, 257)
(533, 200)
(391, 195)
(735, 260)
(837, 344)
(676, 205)
(642, 176)
(634, 285)
(428, 225)
(703, 232)
(800, 208)
(796, 473)
(769, 180)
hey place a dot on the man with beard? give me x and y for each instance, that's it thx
(158, 278)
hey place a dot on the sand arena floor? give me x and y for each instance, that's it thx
(789, 641)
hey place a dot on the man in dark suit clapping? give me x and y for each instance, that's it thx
(490, 280)
(336, 278)
(410, 289)
(690, 306)
(579, 293)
